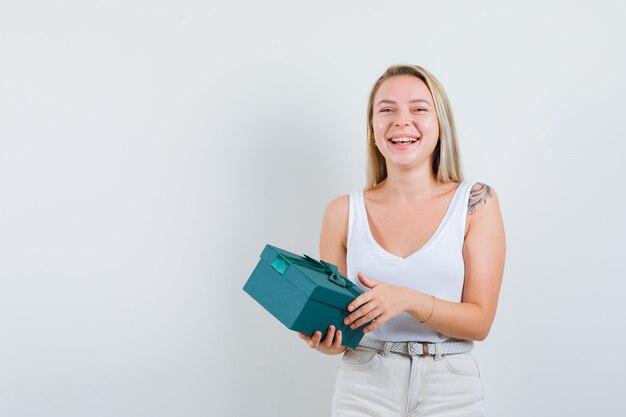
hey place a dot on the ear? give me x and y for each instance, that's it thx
(368, 282)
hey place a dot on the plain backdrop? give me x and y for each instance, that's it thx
(150, 149)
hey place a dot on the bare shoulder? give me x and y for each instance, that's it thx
(483, 206)
(334, 234)
(336, 217)
(339, 207)
(481, 194)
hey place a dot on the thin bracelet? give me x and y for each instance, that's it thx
(431, 311)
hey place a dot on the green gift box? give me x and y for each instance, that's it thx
(303, 293)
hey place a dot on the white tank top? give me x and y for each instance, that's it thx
(437, 268)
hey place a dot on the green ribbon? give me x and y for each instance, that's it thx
(332, 271)
(282, 262)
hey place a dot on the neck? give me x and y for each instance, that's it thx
(409, 184)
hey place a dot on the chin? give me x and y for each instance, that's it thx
(405, 162)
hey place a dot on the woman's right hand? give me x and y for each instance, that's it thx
(330, 345)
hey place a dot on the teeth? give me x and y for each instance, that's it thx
(403, 140)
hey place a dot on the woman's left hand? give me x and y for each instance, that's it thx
(382, 303)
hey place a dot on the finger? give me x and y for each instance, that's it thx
(315, 339)
(376, 324)
(366, 318)
(360, 300)
(330, 335)
(368, 282)
(337, 342)
(360, 312)
(304, 337)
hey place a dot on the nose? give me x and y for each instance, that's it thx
(402, 119)
(402, 123)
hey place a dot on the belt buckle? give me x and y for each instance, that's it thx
(413, 350)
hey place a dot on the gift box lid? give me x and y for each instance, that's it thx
(319, 280)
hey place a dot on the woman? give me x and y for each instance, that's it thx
(429, 250)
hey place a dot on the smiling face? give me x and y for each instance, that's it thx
(404, 121)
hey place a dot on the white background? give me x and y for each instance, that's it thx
(149, 149)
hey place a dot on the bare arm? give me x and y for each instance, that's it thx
(483, 252)
(332, 249)
(334, 234)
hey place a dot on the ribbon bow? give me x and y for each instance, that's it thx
(282, 261)
(333, 272)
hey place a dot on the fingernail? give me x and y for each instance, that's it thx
(351, 308)
(353, 326)
(347, 321)
(366, 331)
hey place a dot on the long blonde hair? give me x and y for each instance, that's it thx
(446, 160)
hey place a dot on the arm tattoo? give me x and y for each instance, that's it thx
(480, 193)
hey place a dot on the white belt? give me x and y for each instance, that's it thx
(420, 348)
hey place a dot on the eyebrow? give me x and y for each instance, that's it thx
(417, 100)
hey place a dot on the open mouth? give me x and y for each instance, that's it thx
(403, 140)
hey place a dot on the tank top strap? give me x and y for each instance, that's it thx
(460, 204)
(353, 215)
(462, 195)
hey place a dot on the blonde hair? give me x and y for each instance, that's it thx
(446, 160)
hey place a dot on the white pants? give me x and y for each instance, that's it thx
(375, 383)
